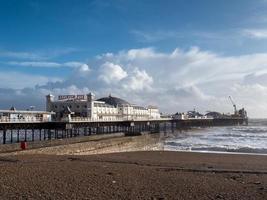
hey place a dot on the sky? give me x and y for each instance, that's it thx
(178, 55)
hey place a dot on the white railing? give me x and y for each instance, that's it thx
(77, 119)
(23, 120)
(87, 119)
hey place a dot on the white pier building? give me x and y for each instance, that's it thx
(104, 109)
(24, 116)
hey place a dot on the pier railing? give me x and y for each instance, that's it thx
(76, 119)
(23, 120)
(85, 119)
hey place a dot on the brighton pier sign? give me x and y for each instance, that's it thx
(71, 97)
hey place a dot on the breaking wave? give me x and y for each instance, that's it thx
(241, 139)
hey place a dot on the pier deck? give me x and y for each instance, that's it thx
(15, 131)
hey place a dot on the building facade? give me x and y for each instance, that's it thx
(14, 115)
(107, 108)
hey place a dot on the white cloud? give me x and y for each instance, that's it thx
(72, 89)
(37, 55)
(140, 53)
(21, 55)
(156, 36)
(84, 68)
(111, 73)
(174, 35)
(34, 64)
(176, 81)
(73, 64)
(193, 78)
(253, 98)
(256, 33)
(139, 80)
(191, 92)
(17, 80)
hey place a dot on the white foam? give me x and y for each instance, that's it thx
(239, 139)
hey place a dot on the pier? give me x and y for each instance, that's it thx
(83, 115)
(15, 131)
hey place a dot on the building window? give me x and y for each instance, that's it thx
(78, 106)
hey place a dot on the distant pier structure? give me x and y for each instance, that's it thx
(83, 115)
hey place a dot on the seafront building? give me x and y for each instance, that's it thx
(191, 115)
(104, 109)
(14, 115)
(87, 108)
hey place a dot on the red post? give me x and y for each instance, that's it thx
(23, 145)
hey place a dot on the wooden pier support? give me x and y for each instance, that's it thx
(4, 136)
(32, 134)
(11, 136)
(18, 136)
(40, 134)
(25, 135)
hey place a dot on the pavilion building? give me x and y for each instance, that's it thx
(106, 108)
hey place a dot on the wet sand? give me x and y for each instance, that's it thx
(134, 175)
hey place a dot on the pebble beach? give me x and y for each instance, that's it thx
(134, 175)
(129, 168)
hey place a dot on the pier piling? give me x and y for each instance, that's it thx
(59, 130)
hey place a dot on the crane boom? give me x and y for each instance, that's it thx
(234, 105)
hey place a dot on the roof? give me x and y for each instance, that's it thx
(114, 101)
(102, 104)
(214, 114)
(152, 107)
(13, 108)
(139, 107)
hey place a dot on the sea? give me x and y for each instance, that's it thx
(250, 139)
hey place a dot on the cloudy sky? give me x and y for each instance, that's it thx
(179, 55)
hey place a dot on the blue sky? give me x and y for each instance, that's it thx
(194, 53)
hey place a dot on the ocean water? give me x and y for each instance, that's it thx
(242, 139)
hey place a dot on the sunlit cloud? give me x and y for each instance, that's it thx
(185, 79)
